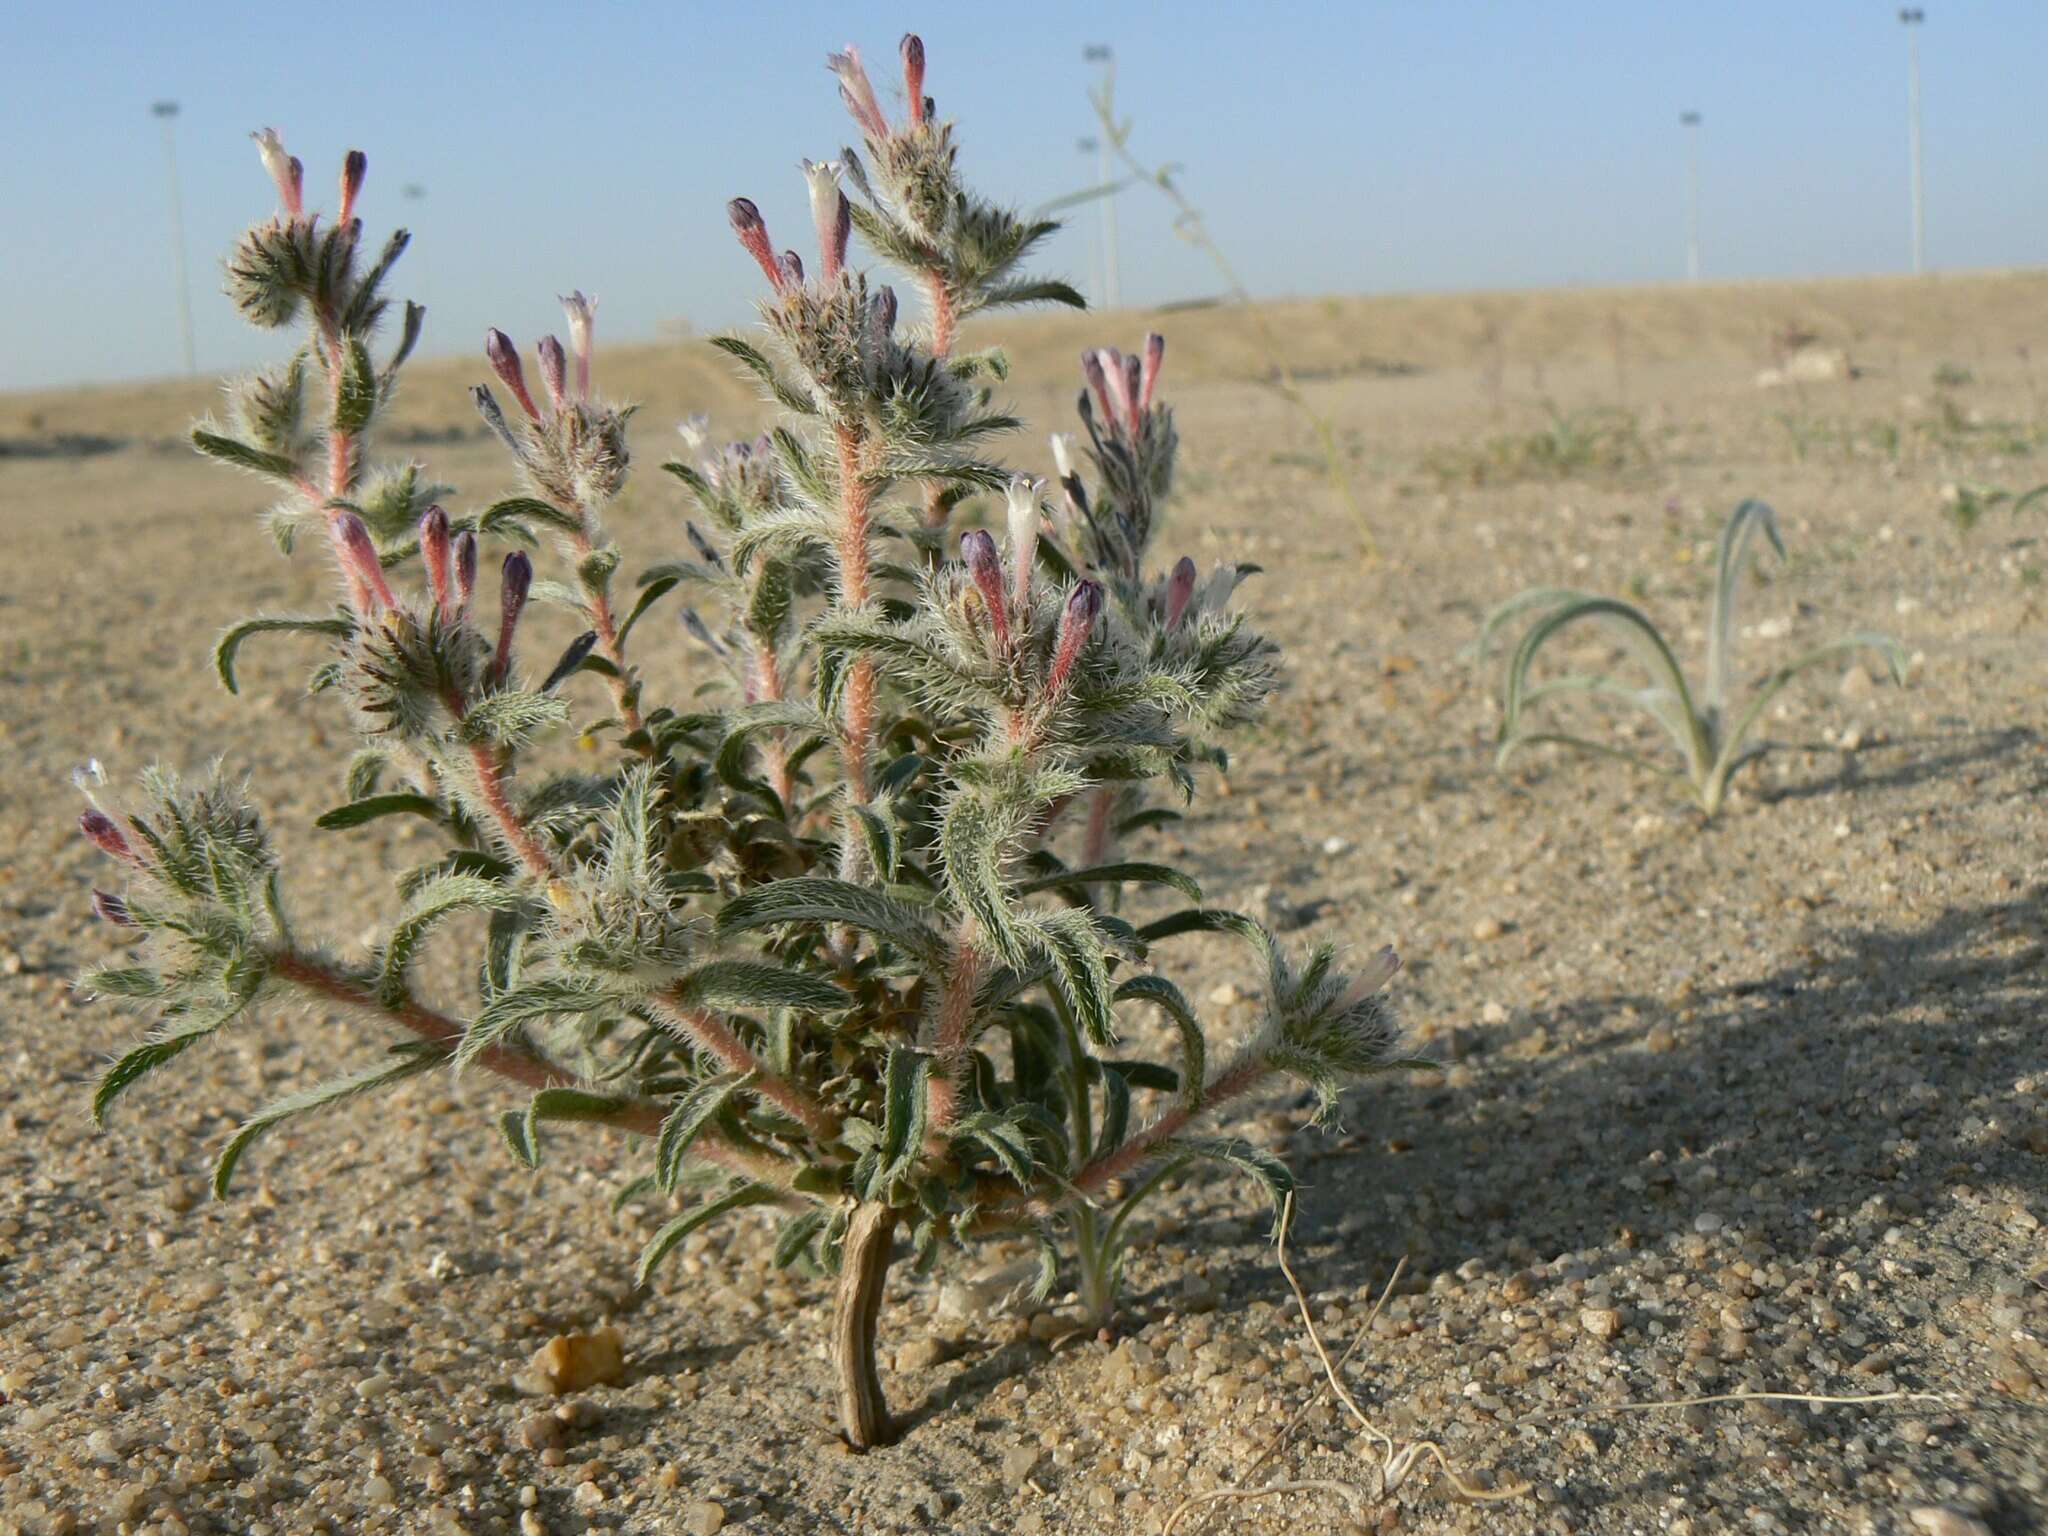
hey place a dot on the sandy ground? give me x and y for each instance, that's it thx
(1756, 1106)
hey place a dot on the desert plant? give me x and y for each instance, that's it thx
(1708, 735)
(1964, 503)
(841, 937)
(1587, 442)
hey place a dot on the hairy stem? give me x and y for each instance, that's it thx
(490, 779)
(864, 1416)
(857, 721)
(1234, 1082)
(949, 1041)
(714, 1036)
(943, 322)
(311, 974)
(607, 626)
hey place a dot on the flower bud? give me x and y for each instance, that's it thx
(435, 552)
(107, 837)
(360, 561)
(1023, 494)
(582, 312)
(515, 583)
(504, 360)
(112, 909)
(1115, 388)
(913, 74)
(1133, 373)
(1063, 453)
(1098, 380)
(831, 213)
(1377, 973)
(1155, 356)
(1180, 586)
(354, 167)
(883, 313)
(1084, 605)
(465, 570)
(792, 270)
(857, 93)
(572, 658)
(978, 549)
(284, 170)
(554, 371)
(753, 232)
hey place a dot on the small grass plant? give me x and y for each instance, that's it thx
(1709, 729)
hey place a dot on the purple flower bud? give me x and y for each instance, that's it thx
(792, 269)
(354, 167)
(1155, 356)
(504, 359)
(435, 550)
(516, 582)
(582, 312)
(831, 213)
(112, 909)
(978, 549)
(465, 570)
(1098, 380)
(554, 370)
(884, 313)
(748, 224)
(1180, 586)
(1084, 605)
(360, 560)
(1132, 375)
(99, 826)
(913, 74)
(857, 93)
(284, 170)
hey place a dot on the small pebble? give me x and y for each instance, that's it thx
(701, 1517)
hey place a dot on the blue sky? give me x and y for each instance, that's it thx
(1337, 147)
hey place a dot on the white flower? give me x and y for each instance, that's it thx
(1023, 493)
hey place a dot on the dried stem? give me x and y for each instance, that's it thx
(864, 1416)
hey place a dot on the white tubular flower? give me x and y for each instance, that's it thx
(581, 311)
(283, 169)
(1023, 493)
(1063, 453)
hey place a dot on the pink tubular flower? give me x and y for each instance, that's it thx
(435, 553)
(97, 825)
(1092, 371)
(515, 584)
(554, 370)
(1155, 356)
(582, 312)
(912, 48)
(1115, 388)
(504, 360)
(831, 213)
(1084, 605)
(354, 167)
(1180, 586)
(365, 569)
(978, 549)
(748, 224)
(857, 93)
(284, 169)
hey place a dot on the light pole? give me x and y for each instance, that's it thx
(1098, 53)
(1690, 121)
(166, 112)
(1911, 18)
(1092, 147)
